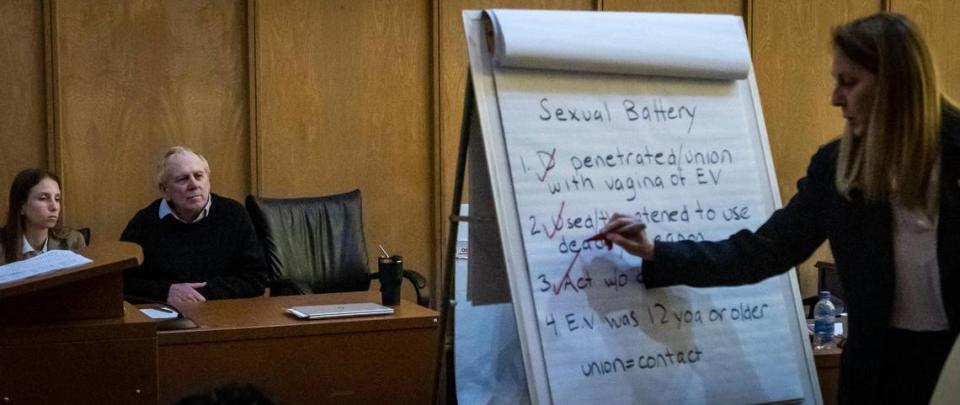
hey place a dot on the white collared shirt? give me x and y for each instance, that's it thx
(917, 294)
(917, 299)
(27, 248)
(165, 210)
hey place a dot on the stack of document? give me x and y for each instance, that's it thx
(41, 264)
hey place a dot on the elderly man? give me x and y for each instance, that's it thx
(196, 245)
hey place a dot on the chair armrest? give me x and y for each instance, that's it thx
(419, 285)
(285, 286)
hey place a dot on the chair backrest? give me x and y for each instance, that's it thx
(828, 279)
(317, 242)
(86, 235)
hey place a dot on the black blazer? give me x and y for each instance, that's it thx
(861, 238)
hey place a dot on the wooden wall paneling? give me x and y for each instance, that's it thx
(735, 7)
(792, 59)
(346, 102)
(452, 83)
(936, 20)
(136, 77)
(23, 122)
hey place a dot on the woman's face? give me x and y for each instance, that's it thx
(42, 208)
(854, 92)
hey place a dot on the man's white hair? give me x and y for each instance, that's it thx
(162, 176)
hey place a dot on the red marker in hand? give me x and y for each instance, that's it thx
(600, 236)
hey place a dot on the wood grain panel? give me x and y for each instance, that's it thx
(735, 7)
(452, 83)
(23, 122)
(137, 77)
(792, 59)
(346, 101)
(937, 21)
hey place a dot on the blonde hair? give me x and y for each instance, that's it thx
(893, 160)
(162, 175)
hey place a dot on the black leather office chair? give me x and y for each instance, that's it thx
(316, 245)
(828, 279)
(86, 235)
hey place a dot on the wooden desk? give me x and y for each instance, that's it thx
(377, 359)
(828, 369)
(105, 361)
(67, 337)
(91, 291)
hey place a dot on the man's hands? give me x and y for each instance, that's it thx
(185, 292)
(629, 233)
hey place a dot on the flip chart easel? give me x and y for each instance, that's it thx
(582, 114)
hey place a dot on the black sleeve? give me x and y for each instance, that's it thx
(247, 272)
(137, 285)
(788, 237)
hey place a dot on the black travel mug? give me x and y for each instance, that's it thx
(391, 274)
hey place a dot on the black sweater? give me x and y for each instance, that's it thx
(221, 250)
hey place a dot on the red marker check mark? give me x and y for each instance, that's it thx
(550, 163)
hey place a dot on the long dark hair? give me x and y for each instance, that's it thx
(19, 193)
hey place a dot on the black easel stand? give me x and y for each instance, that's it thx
(444, 374)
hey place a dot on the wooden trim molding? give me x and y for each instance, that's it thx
(51, 82)
(439, 224)
(253, 91)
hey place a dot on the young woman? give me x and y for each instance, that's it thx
(887, 197)
(34, 224)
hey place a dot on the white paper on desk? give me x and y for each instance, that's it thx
(50, 261)
(702, 46)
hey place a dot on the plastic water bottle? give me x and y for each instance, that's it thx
(823, 318)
